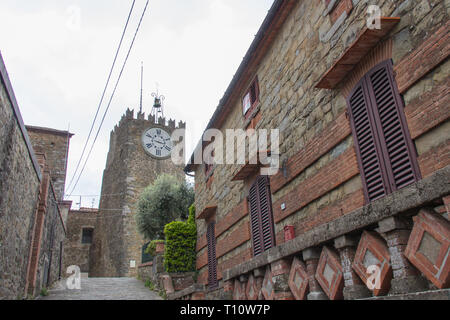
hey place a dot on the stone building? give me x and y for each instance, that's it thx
(363, 186)
(80, 233)
(55, 144)
(31, 224)
(131, 166)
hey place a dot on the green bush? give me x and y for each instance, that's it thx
(181, 238)
(191, 218)
(150, 285)
(44, 292)
(151, 248)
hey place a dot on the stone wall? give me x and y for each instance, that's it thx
(50, 262)
(31, 225)
(129, 170)
(173, 284)
(145, 272)
(322, 182)
(75, 252)
(19, 188)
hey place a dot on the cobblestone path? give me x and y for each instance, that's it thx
(103, 289)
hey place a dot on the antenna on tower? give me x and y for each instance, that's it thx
(142, 82)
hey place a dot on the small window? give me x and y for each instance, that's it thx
(251, 98)
(87, 235)
(209, 166)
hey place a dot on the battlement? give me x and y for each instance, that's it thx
(129, 115)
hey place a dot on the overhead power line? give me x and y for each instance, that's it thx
(112, 96)
(103, 95)
(96, 195)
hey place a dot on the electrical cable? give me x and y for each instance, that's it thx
(103, 95)
(112, 96)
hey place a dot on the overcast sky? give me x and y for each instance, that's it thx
(58, 54)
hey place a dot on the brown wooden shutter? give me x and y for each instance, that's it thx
(383, 145)
(367, 146)
(261, 216)
(212, 259)
(398, 149)
(254, 220)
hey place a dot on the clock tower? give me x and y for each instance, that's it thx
(140, 151)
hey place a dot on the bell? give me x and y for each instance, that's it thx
(157, 103)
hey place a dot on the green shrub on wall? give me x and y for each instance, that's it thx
(181, 238)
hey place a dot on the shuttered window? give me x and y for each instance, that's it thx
(386, 154)
(260, 204)
(212, 259)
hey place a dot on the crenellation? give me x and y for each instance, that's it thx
(141, 115)
(129, 114)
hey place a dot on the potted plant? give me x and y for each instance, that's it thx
(155, 247)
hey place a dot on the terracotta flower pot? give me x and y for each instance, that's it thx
(159, 248)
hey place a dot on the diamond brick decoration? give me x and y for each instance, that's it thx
(253, 287)
(373, 252)
(267, 287)
(428, 248)
(239, 290)
(329, 274)
(298, 279)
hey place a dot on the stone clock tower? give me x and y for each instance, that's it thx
(139, 152)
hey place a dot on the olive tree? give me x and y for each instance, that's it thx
(164, 201)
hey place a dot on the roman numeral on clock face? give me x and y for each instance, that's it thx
(158, 152)
(167, 148)
(149, 145)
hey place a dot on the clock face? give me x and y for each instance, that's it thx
(157, 143)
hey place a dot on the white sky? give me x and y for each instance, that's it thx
(58, 54)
